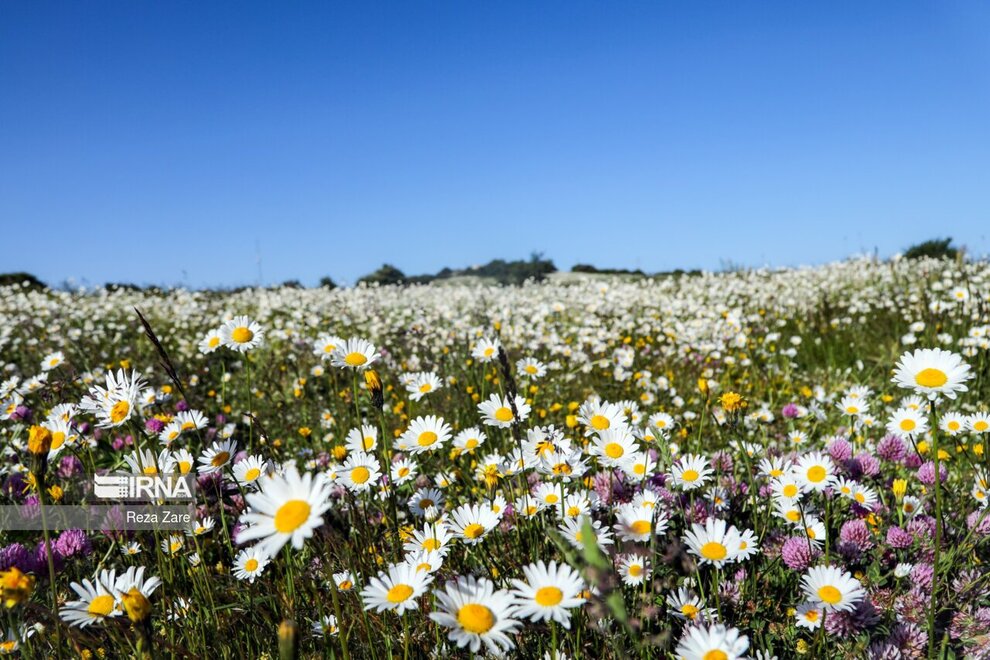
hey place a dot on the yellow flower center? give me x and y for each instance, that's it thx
(953, 425)
(423, 567)
(489, 352)
(530, 369)
(811, 615)
(184, 467)
(816, 473)
(425, 387)
(640, 527)
(220, 458)
(689, 610)
(980, 426)
(714, 551)
(291, 515)
(715, 654)
(150, 469)
(252, 474)
(403, 471)
(551, 499)
(471, 444)
(600, 422)
(101, 605)
(614, 450)
(689, 475)
(931, 377)
(345, 585)
(120, 411)
(369, 442)
(635, 570)
(793, 515)
(431, 544)
(426, 438)
(242, 335)
(214, 342)
(790, 490)
(475, 618)
(639, 469)
(355, 359)
(399, 593)
(908, 424)
(503, 414)
(58, 439)
(251, 565)
(473, 531)
(548, 596)
(360, 474)
(829, 594)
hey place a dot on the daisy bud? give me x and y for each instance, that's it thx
(137, 605)
(374, 384)
(288, 640)
(39, 440)
(15, 587)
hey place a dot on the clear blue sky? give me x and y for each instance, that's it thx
(172, 142)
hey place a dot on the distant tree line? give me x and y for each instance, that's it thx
(504, 272)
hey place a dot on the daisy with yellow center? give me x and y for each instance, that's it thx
(97, 601)
(241, 334)
(531, 368)
(497, 411)
(815, 471)
(598, 416)
(932, 372)
(476, 613)
(713, 642)
(425, 434)
(907, 423)
(613, 446)
(364, 439)
(549, 591)
(397, 589)
(248, 471)
(210, 342)
(638, 523)
(358, 354)
(288, 507)
(687, 606)
(633, 569)
(217, 456)
(471, 523)
(486, 350)
(250, 563)
(690, 472)
(832, 588)
(360, 472)
(714, 543)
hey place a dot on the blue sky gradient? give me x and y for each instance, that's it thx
(175, 142)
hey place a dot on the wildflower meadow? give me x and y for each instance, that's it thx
(744, 464)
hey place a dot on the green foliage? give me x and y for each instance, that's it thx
(327, 283)
(387, 274)
(936, 248)
(21, 279)
(536, 268)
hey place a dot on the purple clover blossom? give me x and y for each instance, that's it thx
(926, 473)
(891, 448)
(899, 538)
(72, 543)
(840, 450)
(798, 554)
(790, 411)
